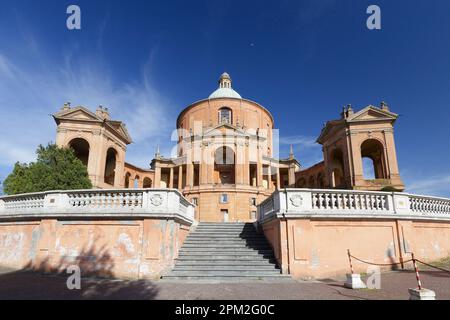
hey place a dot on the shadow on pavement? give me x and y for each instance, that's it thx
(47, 279)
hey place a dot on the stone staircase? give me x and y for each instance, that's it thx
(226, 252)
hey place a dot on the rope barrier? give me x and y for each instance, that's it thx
(429, 265)
(393, 264)
(380, 264)
(414, 261)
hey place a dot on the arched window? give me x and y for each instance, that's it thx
(81, 149)
(147, 183)
(225, 115)
(127, 180)
(372, 153)
(224, 165)
(338, 171)
(110, 166)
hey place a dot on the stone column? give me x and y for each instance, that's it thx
(278, 178)
(356, 156)
(180, 177)
(210, 166)
(269, 176)
(101, 151)
(259, 173)
(119, 169)
(171, 178)
(246, 166)
(390, 154)
(239, 163)
(190, 174)
(157, 176)
(204, 164)
(292, 176)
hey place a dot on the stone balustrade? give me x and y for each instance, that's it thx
(98, 203)
(352, 203)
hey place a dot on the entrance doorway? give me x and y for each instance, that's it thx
(224, 213)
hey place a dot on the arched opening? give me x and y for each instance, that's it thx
(127, 180)
(311, 182)
(136, 182)
(338, 172)
(320, 181)
(147, 183)
(110, 166)
(81, 149)
(372, 153)
(301, 183)
(224, 165)
(225, 115)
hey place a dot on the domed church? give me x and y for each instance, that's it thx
(224, 162)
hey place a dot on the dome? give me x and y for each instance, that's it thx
(225, 93)
(225, 90)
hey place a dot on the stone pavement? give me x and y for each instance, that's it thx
(394, 285)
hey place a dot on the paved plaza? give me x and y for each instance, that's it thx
(394, 285)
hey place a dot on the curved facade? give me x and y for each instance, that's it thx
(224, 163)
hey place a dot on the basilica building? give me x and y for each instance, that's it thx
(224, 161)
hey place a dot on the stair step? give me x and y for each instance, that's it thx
(226, 224)
(246, 229)
(226, 268)
(231, 245)
(228, 279)
(225, 241)
(224, 251)
(223, 236)
(226, 227)
(220, 256)
(219, 273)
(229, 263)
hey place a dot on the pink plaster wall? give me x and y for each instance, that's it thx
(144, 248)
(308, 248)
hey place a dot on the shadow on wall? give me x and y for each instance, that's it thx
(48, 279)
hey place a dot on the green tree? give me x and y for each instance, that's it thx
(55, 169)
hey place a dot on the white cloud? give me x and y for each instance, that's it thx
(10, 153)
(434, 185)
(299, 140)
(300, 143)
(31, 92)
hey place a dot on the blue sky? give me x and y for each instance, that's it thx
(303, 60)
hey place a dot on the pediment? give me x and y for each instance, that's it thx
(78, 113)
(225, 129)
(120, 128)
(371, 113)
(82, 114)
(330, 128)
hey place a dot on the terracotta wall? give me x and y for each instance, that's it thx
(143, 248)
(239, 205)
(308, 248)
